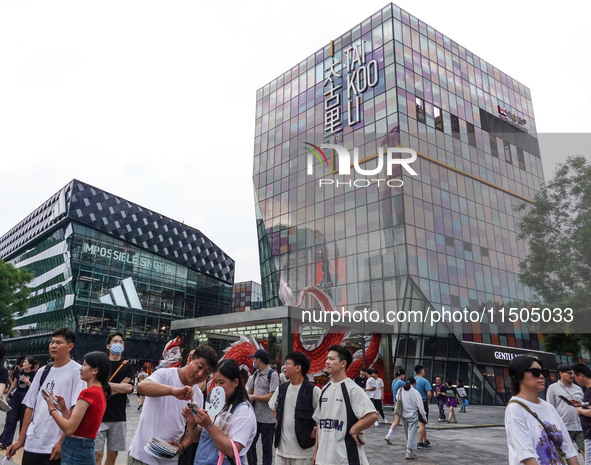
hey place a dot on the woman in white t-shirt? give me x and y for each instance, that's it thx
(236, 421)
(412, 405)
(534, 440)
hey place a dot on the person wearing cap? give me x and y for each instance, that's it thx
(566, 387)
(261, 386)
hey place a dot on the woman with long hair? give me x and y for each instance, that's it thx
(235, 423)
(18, 389)
(412, 407)
(536, 433)
(82, 423)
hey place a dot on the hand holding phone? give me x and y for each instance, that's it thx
(47, 394)
(361, 438)
(193, 408)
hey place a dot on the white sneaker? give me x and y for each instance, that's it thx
(409, 455)
(389, 440)
(377, 423)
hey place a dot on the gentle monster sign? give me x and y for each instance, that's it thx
(384, 156)
(511, 116)
(361, 75)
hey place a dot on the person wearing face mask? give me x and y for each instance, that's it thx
(113, 427)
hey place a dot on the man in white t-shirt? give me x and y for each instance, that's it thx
(375, 391)
(168, 391)
(562, 389)
(344, 411)
(293, 405)
(40, 435)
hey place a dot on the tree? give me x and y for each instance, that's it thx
(14, 294)
(558, 265)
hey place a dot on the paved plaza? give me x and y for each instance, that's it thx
(478, 437)
(473, 440)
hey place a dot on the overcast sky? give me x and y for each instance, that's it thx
(155, 101)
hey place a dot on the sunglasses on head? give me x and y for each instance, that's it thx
(536, 372)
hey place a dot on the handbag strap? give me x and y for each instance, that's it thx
(117, 370)
(535, 415)
(44, 374)
(236, 455)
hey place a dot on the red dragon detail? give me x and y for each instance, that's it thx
(241, 349)
(317, 355)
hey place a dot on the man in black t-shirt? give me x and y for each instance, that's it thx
(361, 380)
(113, 428)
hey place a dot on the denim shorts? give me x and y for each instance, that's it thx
(78, 451)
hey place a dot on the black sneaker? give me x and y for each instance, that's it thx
(426, 442)
(422, 444)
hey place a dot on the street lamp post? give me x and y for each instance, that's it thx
(362, 335)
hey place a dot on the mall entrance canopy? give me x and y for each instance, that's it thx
(280, 328)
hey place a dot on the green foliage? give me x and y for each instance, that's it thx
(13, 294)
(558, 265)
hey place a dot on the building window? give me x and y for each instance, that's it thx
(471, 134)
(438, 118)
(420, 109)
(455, 126)
(494, 150)
(520, 159)
(507, 149)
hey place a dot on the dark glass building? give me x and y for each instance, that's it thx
(374, 234)
(103, 263)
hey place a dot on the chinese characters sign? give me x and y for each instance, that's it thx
(359, 75)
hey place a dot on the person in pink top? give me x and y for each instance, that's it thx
(81, 425)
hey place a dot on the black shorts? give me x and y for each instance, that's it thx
(426, 405)
(33, 458)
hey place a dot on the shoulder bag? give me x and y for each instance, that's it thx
(398, 406)
(561, 454)
(117, 370)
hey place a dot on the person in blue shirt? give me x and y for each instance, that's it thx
(397, 383)
(424, 388)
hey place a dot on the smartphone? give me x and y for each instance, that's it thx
(47, 393)
(584, 405)
(193, 408)
(361, 438)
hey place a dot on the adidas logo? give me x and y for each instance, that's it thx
(124, 295)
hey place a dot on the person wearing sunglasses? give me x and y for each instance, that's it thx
(536, 434)
(566, 396)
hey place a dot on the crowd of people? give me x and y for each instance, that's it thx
(73, 412)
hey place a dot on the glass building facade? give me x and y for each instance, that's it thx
(101, 263)
(247, 296)
(445, 238)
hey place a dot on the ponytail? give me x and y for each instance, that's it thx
(408, 383)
